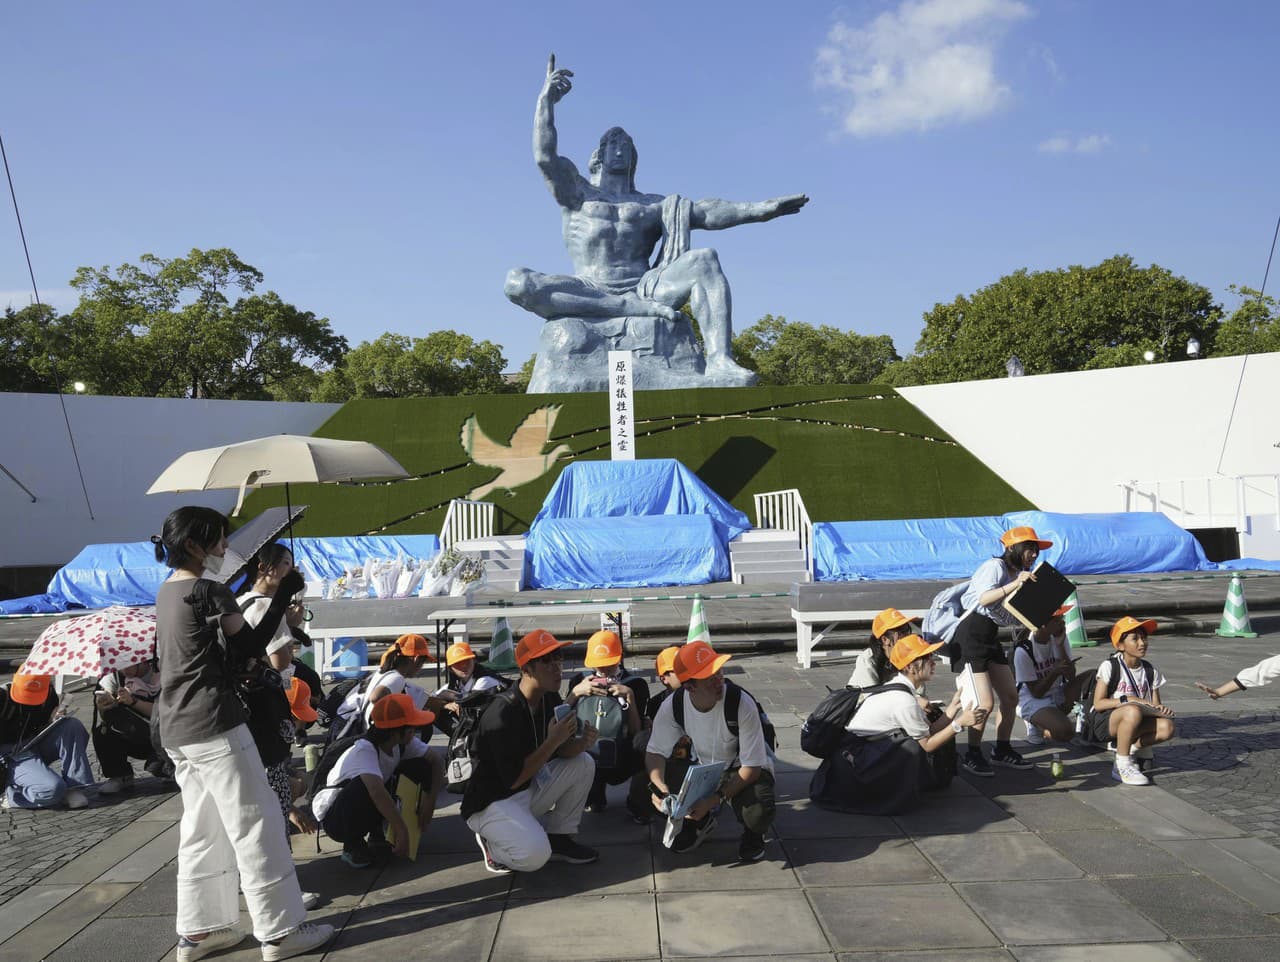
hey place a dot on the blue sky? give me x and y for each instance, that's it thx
(374, 160)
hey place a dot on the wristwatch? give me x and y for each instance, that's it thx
(656, 792)
(1124, 699)
(956, 727)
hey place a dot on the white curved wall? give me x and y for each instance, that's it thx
(124, 444)
(1083, 433)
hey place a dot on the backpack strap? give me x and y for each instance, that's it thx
(732, 702)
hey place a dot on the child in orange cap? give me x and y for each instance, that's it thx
(1126, 700)
(872, 666)
(977, 639)
(33, 738)
(594, 694)
(1048, 685)
(355, 799)
(465, 676)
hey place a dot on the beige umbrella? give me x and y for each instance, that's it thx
(280, 459)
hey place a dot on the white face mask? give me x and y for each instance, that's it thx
(213, 564)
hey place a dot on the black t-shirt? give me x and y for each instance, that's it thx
(19, 723)
(510, 731)
(651, 710)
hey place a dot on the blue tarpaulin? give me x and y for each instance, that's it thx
(666, 527)
(128, 574)
(569, 553)
(952, 548)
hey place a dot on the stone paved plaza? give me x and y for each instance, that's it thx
(1015, 867)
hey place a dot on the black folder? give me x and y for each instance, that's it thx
(1034, 602)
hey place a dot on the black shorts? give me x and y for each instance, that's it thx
(977, 638)
(1098, 726)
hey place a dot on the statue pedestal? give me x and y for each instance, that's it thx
(573, 355)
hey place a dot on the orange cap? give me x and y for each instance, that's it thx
(889, 618)
(1023, 533)
(603, 648)
(1128, 624)
(300, 700)
(29, 689)
(414, 646)
(458, 651)
(536, 644)
(667, 660)
(397, 711)
(908, 649)
(698, 660)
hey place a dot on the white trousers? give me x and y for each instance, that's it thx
(516, 828)
(232, 837)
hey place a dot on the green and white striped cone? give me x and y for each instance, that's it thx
(698, 630)
(1235, 614)
(502, 652)
(1074, 621)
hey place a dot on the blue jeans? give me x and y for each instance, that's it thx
(33, 784)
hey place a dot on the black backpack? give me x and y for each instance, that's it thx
(732, 701)
(327, 710)
(823, 731)
(1086, 689)
(463, 742)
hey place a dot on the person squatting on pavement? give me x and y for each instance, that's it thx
(33, 736)
(232, 837)
(525, 798)
(747, 785)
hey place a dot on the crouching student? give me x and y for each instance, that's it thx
(1048, 686)
(355, 801)
(1126, 702)
(122, 731)
(894, 751)
(612, 699)
(872, 666)
(465, 675)
(699, 711)
(33, 738)
(531, 772)
(639, 800)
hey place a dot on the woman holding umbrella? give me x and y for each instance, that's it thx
(232, 834)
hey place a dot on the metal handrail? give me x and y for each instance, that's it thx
(785, 511)
(1154, 491)
(466, 520)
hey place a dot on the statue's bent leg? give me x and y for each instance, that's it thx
(553, 296)
(697, 279)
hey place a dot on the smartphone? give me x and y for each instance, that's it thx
(563, 711)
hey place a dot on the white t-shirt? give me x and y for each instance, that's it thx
(145, 687)
(1032, 667)
(712, 740)
(393, 681)
(1135, 689)
(887, 710)
(362, 758)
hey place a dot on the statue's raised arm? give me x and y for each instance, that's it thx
(561, 175)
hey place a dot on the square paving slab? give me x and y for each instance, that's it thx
(589, 927)
(898, 917)
(957, 816)
(859, 861)
(803, 819)
(1133, 952)
(714, 867)
(979, 858)
(1115, 853)
(1194, 907)
(701, 924)
(1060, 912)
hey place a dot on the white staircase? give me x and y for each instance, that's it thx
(767, 557)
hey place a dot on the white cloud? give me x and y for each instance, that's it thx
(61, 298)
(1085, 144)
(923, 65)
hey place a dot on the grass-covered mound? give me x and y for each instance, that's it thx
(854, 451)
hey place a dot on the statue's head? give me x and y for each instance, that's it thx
(616, 154)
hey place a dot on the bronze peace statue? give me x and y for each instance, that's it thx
(619, 297)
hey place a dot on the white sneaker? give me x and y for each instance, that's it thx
(311, 899)
(215, 941)
(490, 863)
(307, 936)
(76, 798)
(1129, 774)
(114, 786)
(1034, 736)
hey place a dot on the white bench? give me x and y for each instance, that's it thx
(806, 640)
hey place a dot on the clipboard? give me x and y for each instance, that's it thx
(408, 795)
(1034, 602)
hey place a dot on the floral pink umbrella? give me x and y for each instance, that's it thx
(93, 645)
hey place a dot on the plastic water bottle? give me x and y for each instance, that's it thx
(1079, 719)
(311, 757)
(1056, 768)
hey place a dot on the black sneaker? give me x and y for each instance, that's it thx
(975, 763)
(597, 803)
(565, 849)
(639, 816)
(692, 834)
(357, 855)
(1008, 758)
(751, 848)
(378, 845)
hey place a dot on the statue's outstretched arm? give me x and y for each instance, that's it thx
(713, 214)
(561, 175)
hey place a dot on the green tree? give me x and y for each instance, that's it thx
(26, 343)
(1252, 328)
(793, 352)
(520, 385)
(168, 328)
(1069, 319)
(442, 363)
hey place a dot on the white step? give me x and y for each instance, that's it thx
(771, 578)
(505, 542)
(796, 563)
(764, 534)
